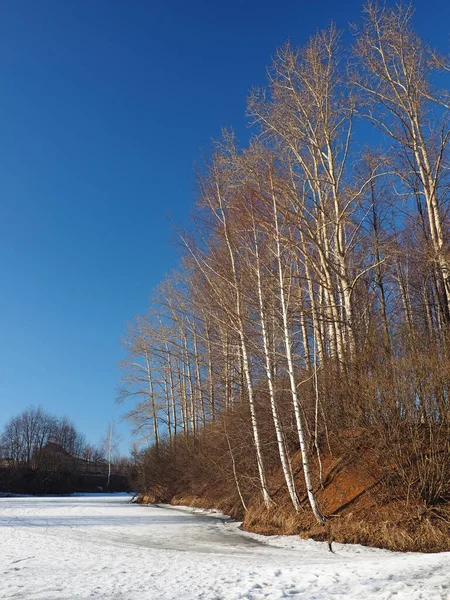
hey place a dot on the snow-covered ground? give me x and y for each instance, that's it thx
(104, 547)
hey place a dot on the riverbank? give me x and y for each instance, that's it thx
(359, 505)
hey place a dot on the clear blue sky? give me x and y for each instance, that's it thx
(104, 108)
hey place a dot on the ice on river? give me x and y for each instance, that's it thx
(104, 547)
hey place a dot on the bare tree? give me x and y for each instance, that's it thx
(402, 101)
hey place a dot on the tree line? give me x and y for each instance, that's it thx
(26, 435)
(39, 441)
(41, 453)
(313, 297)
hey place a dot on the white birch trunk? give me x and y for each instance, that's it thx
(246, 365)
(285, 462)
(295, 400)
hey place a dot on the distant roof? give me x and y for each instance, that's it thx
(55, 448)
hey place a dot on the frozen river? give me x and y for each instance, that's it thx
(87, 547)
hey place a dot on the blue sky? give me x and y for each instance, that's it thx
(104, 108)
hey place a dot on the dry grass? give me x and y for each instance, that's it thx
(427, 534)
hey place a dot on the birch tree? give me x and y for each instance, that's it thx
(404, 103)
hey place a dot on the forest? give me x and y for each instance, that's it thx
(294, 370)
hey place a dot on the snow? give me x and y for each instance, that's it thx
(104, 547)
